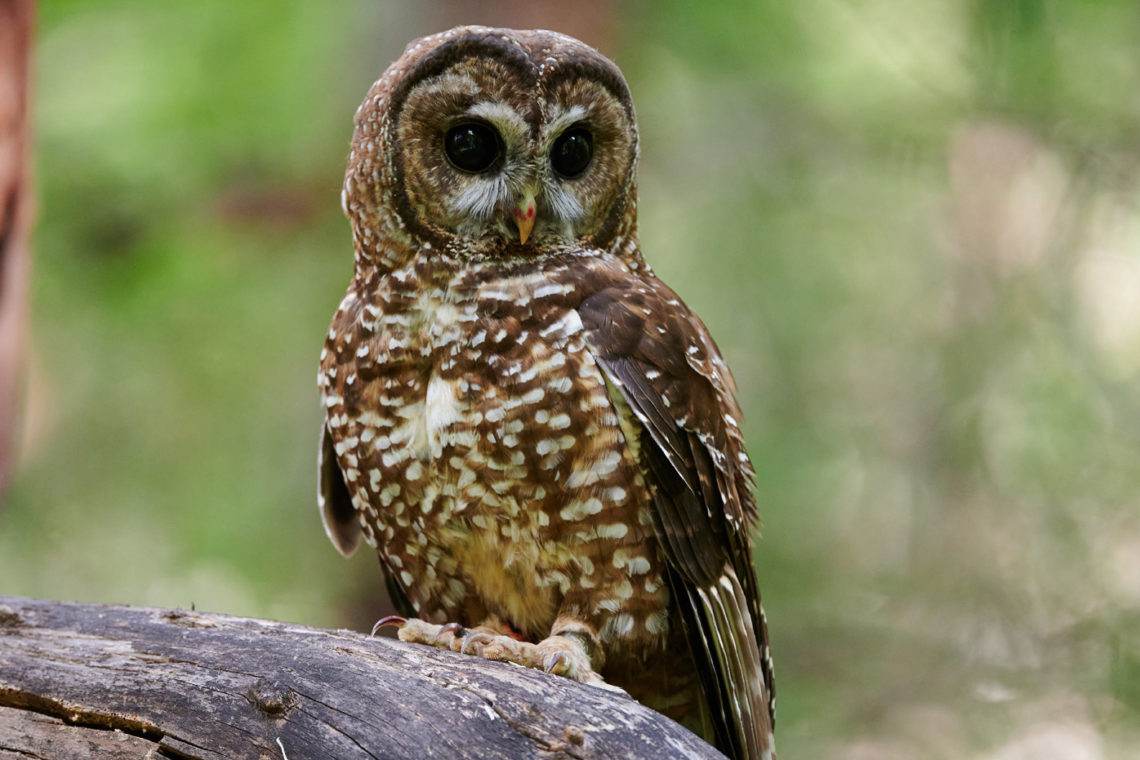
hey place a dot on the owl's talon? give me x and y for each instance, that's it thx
(393, 620)
(554, 662)
(455, 629)
(474, 642)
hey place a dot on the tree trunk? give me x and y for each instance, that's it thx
(15, 213)
(93, 681)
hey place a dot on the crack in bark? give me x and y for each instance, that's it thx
(22, 700)
(95, 721)
(521, 729)
(336, 728)
(518, 727)
(20, 752)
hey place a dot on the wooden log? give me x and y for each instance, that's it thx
(95, 681)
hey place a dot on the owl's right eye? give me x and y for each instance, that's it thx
(472, 147)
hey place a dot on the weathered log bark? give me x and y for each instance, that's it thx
(94, 681)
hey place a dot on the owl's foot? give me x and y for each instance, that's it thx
(564, 654)
(416, 631)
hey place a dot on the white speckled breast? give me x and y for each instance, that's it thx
(495, 477)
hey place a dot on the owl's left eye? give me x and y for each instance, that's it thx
(572, 152)
(472, 147)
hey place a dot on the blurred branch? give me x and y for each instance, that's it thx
(15, 212)
(116, 682)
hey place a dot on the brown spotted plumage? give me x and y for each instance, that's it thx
(539, 439)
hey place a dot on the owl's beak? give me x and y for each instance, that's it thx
(525, 213)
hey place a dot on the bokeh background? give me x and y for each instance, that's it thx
(912, 227)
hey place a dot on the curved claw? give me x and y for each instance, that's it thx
(393, 620)
(455, 629)
(555, 660)
(470, 639)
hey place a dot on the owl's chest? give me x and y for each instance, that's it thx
(467, 386)
(487, 430)
(485, 456)
(473, 405)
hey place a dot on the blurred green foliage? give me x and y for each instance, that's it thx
(912, 227)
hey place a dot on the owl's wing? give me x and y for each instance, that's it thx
(668, 374)
(337, 512)
(342, 524)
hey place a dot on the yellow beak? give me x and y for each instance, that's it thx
(525, 213)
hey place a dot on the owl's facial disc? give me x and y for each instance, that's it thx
(495, 158)
(512, 185)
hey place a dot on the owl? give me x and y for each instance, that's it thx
(539, 439)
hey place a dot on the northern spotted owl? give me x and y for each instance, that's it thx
(538, 437)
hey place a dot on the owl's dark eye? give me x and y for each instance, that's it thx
(572, 152)
(472, 147)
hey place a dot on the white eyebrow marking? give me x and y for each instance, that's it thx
(559, 122)
(507, 119)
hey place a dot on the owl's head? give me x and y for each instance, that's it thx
(495, 141)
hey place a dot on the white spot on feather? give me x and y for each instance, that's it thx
(553, 289)
(617, 530)
(440, 408)
(579, 510)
